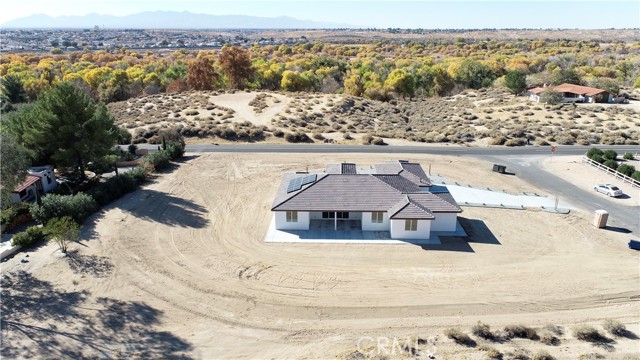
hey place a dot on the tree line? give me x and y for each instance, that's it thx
(377, 71)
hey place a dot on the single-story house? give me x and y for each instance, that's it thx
(394, 196)
(574, 93)
(40, 179)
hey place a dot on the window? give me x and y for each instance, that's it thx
(411, 225)
(332, 215)
(48, 179)
(377, 217)
(292, 216)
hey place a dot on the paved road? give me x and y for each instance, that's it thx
(527, 167)
(436, 150)
(622, 217)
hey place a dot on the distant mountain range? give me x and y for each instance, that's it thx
(168, 20)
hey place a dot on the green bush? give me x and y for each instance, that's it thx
(79, 207)
(610, 155)
(378, 141)
(611, 164)
(297, 137)
(132, 149)
(636, 176)
(113, 188)
(139, 174)
(598, 159)
(159, 159)
(175, 151)
(13, 211)
(593, 152)
(29, 237)
(628, 156)
(626, 169)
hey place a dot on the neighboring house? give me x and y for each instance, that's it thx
(41, 179)
(574, 93)
(396, 196)
(27, 190)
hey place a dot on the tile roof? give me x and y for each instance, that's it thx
(537, 90)
(30, 180)
(342, 168)
(399, 194)
(411, 171)
(408, 209)
(577, 89)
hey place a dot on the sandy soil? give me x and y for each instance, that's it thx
(243, 112)
(179, 269)
(571, 168)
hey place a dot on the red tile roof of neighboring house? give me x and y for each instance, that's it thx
(30, 180)
(577, 89)
(537, 90)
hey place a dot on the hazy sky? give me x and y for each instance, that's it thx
(405, 14)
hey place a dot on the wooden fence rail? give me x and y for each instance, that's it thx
(610, 171)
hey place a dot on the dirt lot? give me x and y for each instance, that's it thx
(179, 269)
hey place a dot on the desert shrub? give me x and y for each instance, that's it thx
(367, 139)
(610, 154)
(159, 159)
(626, 169)
(139, 174)
(548, 338)
(297, 137)
(542, 355)
(378, 141)
(78, 207)
(7, 215)
(318, 136)
(114, 188)
(551, 97)
(493, 354)
(515, 142)
(554, 329)
(598, 159)
(593, 152)
(458, 336)
(518, 354)
(28, 237)
(628, 156)
(132, 148)
(636, 176)
(482, 330)
(520, 331)
(498, 140)
(614, 327)
(175, 151)
(611, 164)
(278, 133)
(587, 333)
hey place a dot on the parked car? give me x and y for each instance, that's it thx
(608, 189)
(634, 244)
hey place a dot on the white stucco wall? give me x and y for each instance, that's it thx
(301, 224)
(444, 222)
(42, 172)
(398, 232)
(367, 225)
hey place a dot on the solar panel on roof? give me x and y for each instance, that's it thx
(294, 184)
(309, 179)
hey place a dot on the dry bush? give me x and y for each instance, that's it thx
(459, 337)
(515, 142)
(517, 354)
(614, 327)
(520, 331)
(591, 356)
(542, 355)
(498, 140)
(588, 333)
(482, 330)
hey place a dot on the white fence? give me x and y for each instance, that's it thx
(610, 171)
